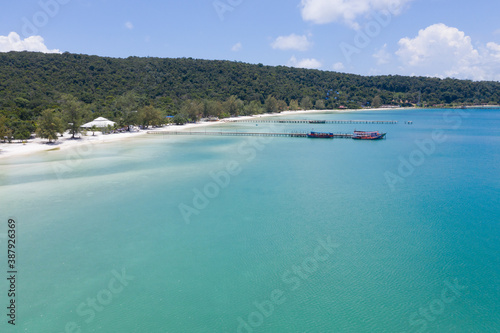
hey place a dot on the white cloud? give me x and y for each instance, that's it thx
(436, 43)
(491, 59)
(13, 42)
(495, 48)
(347, 11)
(292, 42)
(383, 57)
(338, 66)
(129, 25)
(236, 47)
(443, 51)
(304, 63)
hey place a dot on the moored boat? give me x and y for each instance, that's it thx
(364, 135)
(320, 135)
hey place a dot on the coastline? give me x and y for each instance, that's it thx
(40, 145)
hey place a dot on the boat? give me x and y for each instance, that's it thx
(320, 135)
(363, 135)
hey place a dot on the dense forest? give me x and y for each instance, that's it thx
(143, 91)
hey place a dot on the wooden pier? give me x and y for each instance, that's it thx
(309, 121)
(289, 135)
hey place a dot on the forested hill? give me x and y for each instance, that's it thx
(31, 82)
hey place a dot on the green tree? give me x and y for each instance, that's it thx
(5, 131)
(149, 116)
(319, 105)
(49, 124)
(180, 119)
(252, 108)
(116, 88)
(192, 109)
(233, 106)
(126, 106)
(211, 108)
(21, 130)
(282, 106)
(93, 129)
(294, 105)
(376, 102)
(306, 103)
(74, 113)
(21, 102)
(271, 104)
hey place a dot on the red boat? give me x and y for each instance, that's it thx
(362, 135)
(320, 135)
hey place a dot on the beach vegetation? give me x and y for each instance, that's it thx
(282, 106)
(319, 104)
(180, 119)
(376, 102)
(211, 108)
(21, 130)
(271, 104)
(75, 113)
(252, 108)
(192, 109)
(49, 124)
(150, 116)
(306, 103)
(294, 105)
(5, 131)
(233, 106)
(85, 87)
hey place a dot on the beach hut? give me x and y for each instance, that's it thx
(100, 122)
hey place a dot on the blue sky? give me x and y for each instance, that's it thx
(443, 38)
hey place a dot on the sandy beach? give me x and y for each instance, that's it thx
(17, 148)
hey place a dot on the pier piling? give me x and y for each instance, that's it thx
(289, 135)
(308, 121)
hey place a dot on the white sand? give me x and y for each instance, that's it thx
(37, 145)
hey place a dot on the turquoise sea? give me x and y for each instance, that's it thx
(246, 234)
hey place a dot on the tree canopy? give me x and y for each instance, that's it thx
(84, 87)
(49, 124)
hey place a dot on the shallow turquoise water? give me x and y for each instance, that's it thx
(104, 242)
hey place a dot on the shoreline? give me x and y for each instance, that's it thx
(38, 145)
